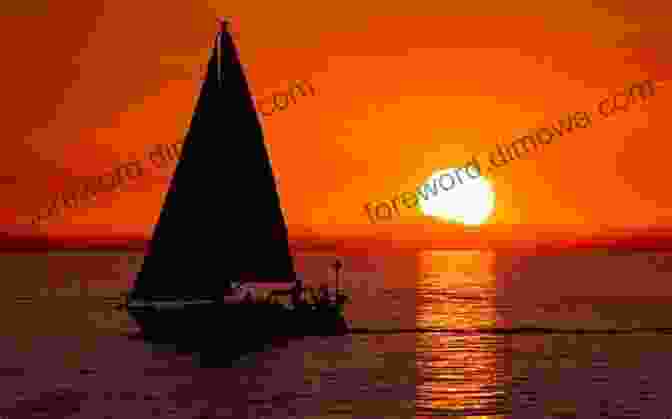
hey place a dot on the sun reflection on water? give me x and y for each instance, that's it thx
(460, 374)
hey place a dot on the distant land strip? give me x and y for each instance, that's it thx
(161, 156)
(515, 331)
(30, 299)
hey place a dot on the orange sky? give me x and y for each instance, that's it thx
(401, 91)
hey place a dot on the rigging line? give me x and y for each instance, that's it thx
(218, 58)
(223, 22)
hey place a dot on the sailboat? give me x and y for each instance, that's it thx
(221, 228)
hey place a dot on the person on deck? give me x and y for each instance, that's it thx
(314, 295)
(296, 292)
(324, 295)
(298, 300)
(341, 298)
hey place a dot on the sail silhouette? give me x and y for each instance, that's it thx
(221, 220)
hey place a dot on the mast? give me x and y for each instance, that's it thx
(221, 220)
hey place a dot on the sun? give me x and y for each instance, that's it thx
(459, 198)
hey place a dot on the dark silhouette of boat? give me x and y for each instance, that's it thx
(221, 228)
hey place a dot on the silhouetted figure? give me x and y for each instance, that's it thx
(297, 291)
(324, 295)
(341, 298)
(314, 296)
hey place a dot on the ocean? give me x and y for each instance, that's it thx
(440, 334)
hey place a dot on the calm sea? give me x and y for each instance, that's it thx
(429, 349)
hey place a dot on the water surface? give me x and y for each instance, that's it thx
(66, 353)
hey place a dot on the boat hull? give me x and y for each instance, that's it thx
(238, 327)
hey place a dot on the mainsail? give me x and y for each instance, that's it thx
(221, 220)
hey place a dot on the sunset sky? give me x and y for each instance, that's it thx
(402, 90)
